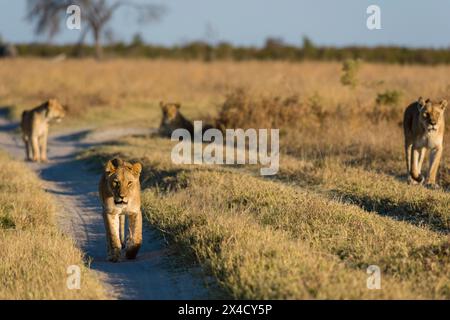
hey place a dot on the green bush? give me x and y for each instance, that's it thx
(389, 98)
(387, 107)
(350, 68)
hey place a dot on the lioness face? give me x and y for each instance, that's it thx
(122, 179)
(169, 111)
(55, 110)
(431, 114)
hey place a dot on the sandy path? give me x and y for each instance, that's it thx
(157, 273)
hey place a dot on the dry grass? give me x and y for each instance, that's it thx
(227, 216)
(333, 118)
(374, 191)
(35, 255)
(106, 90)
(254, 261)
(339, 202)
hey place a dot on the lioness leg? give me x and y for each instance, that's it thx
(26, 141)
(43, 146)
(122, 230)
(35, 148)
(422, 153)
(415, 173)
(408, 150)
(134, 240)
(112, 236)
(435, 158)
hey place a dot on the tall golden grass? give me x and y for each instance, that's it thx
(202, 87)
(34, 255)
(333, 118)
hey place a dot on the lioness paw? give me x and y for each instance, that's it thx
(433, 186)
(416, 181)
(114, 256)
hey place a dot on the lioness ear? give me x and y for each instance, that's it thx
(177, 105)
(444, 104)
(137, 168)
(45, 103)
(421, 104)
(421, 101)
(112, 165)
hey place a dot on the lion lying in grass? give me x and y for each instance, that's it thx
(173, 119)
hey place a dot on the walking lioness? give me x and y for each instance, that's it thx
(423, 125)
(120, 194)
(34, 127)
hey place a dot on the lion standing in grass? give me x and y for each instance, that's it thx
(120, 194)
(34, 127)
(423, 125)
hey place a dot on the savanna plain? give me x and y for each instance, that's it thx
(339, 203)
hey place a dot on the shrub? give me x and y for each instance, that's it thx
(387, 107)
(350, 68)
(240, 110)
(389, 98)
(316, 104)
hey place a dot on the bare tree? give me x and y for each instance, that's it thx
(49, 15)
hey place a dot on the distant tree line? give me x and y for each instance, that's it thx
(274, 49)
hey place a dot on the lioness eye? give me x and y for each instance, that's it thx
(130, 183)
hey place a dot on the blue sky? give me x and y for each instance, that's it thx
(412, 23)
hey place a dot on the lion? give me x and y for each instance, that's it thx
(35, 125)
(173, 119)
(119, 191)
(423, 124)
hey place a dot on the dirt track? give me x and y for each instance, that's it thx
(157, 273)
